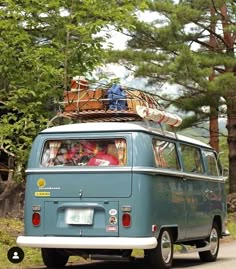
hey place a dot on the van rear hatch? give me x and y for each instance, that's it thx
(78, 183)
(81, 203)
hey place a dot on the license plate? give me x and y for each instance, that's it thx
(80, 216)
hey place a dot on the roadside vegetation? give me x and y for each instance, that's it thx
(232, 225)
(10, 228)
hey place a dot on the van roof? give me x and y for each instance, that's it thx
(117, 127)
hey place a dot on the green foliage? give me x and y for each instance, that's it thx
(9, 230)
(232, 224)
(43, 45)
(224, 85)
(190, 44)
(175, 48)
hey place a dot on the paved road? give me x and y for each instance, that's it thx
(226, 260)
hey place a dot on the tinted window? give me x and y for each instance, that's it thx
(191, 159)
(99, 152)
(211, 163)
(165, 154)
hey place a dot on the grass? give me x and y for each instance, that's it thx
(232, 225)
(11, 228)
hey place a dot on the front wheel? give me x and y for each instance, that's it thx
(53, 258)
(162, 256)
(214, 241)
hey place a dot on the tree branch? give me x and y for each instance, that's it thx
(6, 151)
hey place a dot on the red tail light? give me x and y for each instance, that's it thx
(36, 219)
(126, 220)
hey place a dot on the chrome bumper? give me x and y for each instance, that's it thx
(87, 242)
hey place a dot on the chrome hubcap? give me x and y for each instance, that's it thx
(214, 241)
(166, 248)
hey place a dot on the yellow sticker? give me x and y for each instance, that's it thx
(41, 182)
(42, 194)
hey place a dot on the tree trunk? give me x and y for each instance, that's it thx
(229, 41)
(214, 131)
(12, 199)
(214, 125)
(231, 127)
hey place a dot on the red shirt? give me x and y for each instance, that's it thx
(103, 159)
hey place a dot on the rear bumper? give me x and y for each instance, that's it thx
(87, 242)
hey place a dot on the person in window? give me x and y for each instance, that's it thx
(102, 158)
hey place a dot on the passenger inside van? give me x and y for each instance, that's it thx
(101, 156)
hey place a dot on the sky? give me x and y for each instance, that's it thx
(119, 40)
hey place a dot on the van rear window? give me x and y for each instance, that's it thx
(74, 152)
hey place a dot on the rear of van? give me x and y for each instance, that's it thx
(80, 194)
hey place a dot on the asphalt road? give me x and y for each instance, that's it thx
(226, 260)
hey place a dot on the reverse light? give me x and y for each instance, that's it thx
(126, 220)
(36, 219)
(126, 208)
(36, 207)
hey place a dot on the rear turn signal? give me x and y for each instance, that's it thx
(36, 219)
(126, 220)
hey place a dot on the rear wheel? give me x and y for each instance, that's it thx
(53, 258)
(214, 241)
(162, 256)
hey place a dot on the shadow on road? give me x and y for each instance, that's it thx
(137, 264)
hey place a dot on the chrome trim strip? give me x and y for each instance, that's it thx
(176, 173)
(77, 169)
(154, 171)
(87, 242)
(135, 169)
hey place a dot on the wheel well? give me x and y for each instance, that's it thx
(173, 230)
(218, 221)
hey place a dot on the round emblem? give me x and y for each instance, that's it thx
(113, 220)
(41, 182)
(112, 212)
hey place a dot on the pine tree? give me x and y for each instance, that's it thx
(191, 43)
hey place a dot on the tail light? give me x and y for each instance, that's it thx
(126, 220)
(126, 217)
(36, 219)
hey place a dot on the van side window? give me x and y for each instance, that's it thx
(74, 152)
(192, 160)
(211, 163)
(165, 154)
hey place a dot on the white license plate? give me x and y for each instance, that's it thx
(81, 216)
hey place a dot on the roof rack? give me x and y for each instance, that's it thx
(86, 101)
(89, 102)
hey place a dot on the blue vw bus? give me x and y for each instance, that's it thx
(100, 190)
